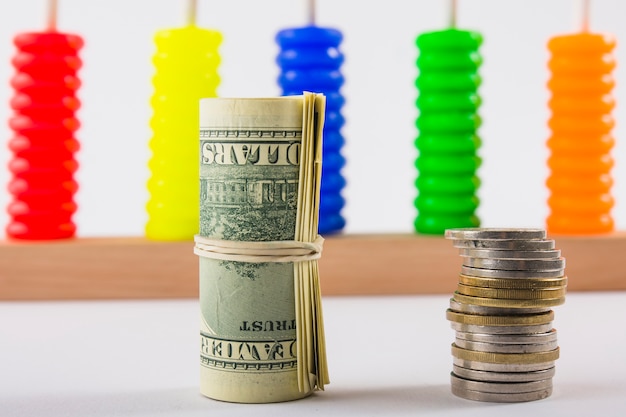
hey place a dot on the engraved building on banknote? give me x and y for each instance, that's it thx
(257, 193)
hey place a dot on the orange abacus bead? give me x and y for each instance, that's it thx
(580, 163)
(575, 165)
(559, 223)
(604, 64)
(583, 42)
(565, 185)
(583, 103)
(594, 204)
(592, 124)
(576, 143)
(572, 83)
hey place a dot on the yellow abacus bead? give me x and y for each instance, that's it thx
(186, 63)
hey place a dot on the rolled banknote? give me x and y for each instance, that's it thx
(261, 336)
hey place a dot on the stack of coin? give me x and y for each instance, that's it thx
(505, 346)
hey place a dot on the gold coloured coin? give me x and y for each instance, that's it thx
(508, 293)
(505, 358)
(518, 320)
(508, 303)
(513, 283)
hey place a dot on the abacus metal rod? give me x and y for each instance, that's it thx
(453, 13)
(311, 12)
(53, 6)
(586, 7)
(192, 9)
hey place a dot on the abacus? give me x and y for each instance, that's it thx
(353, 263)
(44, 142)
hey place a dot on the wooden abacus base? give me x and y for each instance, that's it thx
(390, 264)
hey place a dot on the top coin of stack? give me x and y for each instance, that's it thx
(505, 345)
(510, 268)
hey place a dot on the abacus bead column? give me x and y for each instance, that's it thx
(580, 162)
(186, 62)
(310, 60)
(43, 146)
(448, 121)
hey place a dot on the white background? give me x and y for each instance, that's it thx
(387, 356)
(380, 112)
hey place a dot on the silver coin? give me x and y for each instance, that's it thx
(500, 387)
(496, 273)
(510, 254)
(494, 233)
(506, 347)
(504, 244)
(491, 376)
(502, 398)
(518, 330)
(493, 311)
(516, 264)
(502, 367)
(513, 339)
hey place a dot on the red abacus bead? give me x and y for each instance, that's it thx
(43, 146)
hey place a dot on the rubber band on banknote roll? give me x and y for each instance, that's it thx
(259, 252)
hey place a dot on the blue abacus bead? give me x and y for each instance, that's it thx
(334, 100)
(310, 60)
(331, 221)
(310, 57)
(334, 161)
(333, 181)
(312, 36)
(302, 79)
(333, 141)
(334, 121)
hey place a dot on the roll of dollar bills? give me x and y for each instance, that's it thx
(262, 336)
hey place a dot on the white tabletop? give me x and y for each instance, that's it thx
(387, 356)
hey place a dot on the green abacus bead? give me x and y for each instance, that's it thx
(447, 61)
(448, 165)
(451, 81)
(448, 122)
(452, 38)
(444, 184)
(448, 80)
(456, 101)
(447, 144)
(446, 204)
(437, 224)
